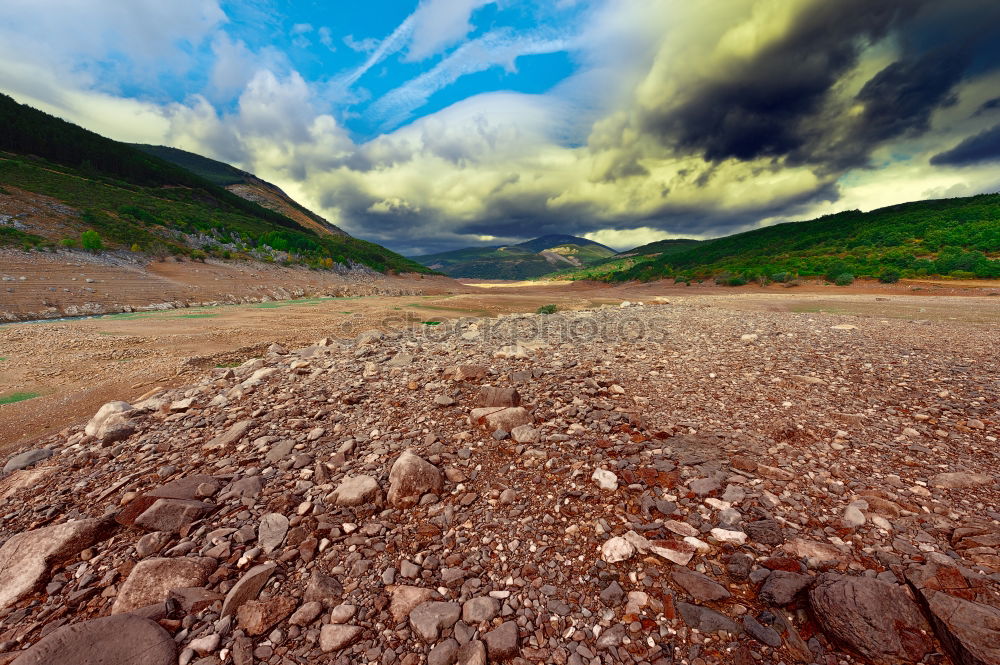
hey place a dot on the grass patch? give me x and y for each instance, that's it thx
(546, 309)
(234, 363)
(199, 315)
(431, 323)
(18, 397)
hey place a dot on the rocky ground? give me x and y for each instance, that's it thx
(643, 484)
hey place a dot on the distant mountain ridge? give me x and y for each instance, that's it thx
(526, 260)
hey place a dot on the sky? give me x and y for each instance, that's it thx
(430, 125)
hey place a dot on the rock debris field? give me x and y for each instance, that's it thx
(646, 484)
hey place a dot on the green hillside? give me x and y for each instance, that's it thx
(526, 260)
(949, 237)
(134, 200)
(217, 173)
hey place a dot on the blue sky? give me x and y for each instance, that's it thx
(428, 125)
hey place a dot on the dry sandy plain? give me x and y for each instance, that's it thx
(74, 366)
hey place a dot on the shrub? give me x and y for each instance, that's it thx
(735, 281)
(889, 276)
(837, 269)
(198, 255)
(546, 309)
(791, 284)
(781, 277)
(67, 242)
(135, 247)
(90, 241)
(844, 279)
(962, 274)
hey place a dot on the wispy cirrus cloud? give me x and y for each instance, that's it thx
(500, 48)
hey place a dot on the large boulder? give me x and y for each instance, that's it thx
(410, 478)
(25, 559)
(125, 639)
(152, 580)
(874, 618)
(26, 459)
(107, 417)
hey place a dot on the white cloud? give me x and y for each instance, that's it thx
(498, 48)
(438, 24)
(622, 239)
(361, 45)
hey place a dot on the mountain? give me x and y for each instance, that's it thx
(243, 184)
(59, 181)
(525, 260)
(949, 237)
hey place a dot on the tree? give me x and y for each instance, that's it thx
(90, 241)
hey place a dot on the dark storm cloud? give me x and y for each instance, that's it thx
(764, 108)
(983, 147)
(987, 106)
(782, 103)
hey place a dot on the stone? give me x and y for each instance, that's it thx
(606, 480)
(874, 618)
(152, 543)
(781, 587)
(761, 633)
(343, 613)
(172, 515)
(230, 437)
(502, 642)
(728, 536)
(248, 587)
(257, 617)
(444, 652)
(306, 614)
(410, 478)
(479, 610)
(26, 557)
(494, 418)
(969, 632)
(184, 488)
(707, 620)
(205, 645)
(271, 532)
(99, 642)
(525, 434)
(152, 580)
(613, 594)
(334, 637)
(700, 587)
(489, 396)
(26, 459)
(960, 480)
(98, 425)
(617, 549)
(817, 555)
(323, 588)
(357, 491)
(428, 619)
(471, 653)
(405, 599)
(466, 373)
(766, 532)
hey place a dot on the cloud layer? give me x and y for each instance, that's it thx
(677, 119)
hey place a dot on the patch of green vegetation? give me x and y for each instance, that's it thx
(913, 240)
(234, 363)
(431, 323)
(199, 315)
(131, 198)
(546, 309)
(18, 397)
